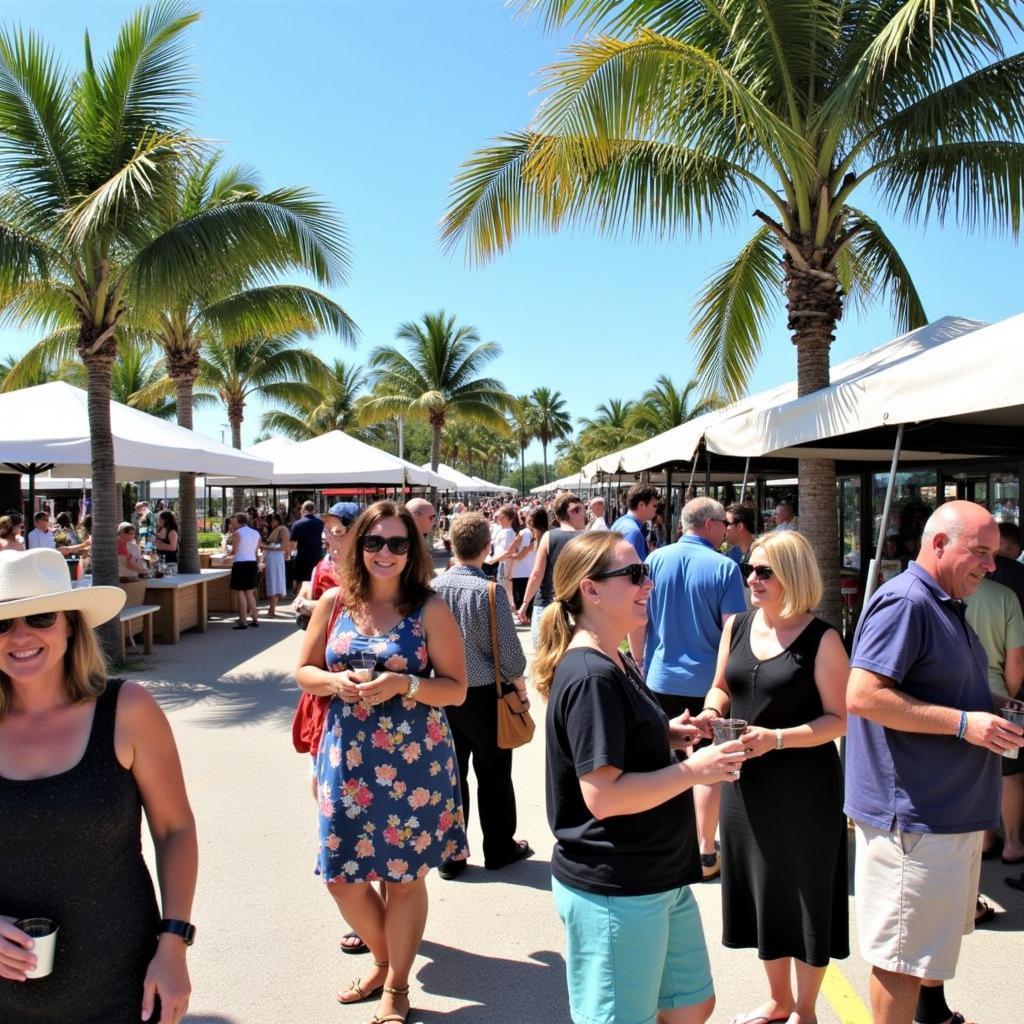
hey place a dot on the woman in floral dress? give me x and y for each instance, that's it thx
(389, 806)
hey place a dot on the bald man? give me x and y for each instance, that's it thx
(423, 512)
(923, 768)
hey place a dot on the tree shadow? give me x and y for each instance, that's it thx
(499, 989)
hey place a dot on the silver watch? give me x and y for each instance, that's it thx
(414, 685)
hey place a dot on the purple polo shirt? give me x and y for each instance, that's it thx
(914, 633)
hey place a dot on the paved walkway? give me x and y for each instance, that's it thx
(267, 948)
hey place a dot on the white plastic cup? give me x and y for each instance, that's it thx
(364, 664)
(1013, 713)
(43, 933)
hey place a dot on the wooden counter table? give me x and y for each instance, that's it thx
(183, 602)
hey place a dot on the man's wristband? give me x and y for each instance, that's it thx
(778, 739)
(961, 730)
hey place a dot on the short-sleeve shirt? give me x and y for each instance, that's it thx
(41, 539)
(597, 716)
(323, 578)
(1010, 573)
(694, 587)
(994, 614)
(633, 530)
(307, 536)
(915, 634)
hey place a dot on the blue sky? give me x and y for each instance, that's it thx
(374, 103)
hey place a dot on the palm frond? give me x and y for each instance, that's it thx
(41, 361)
(731, 314)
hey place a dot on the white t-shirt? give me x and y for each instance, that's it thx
(502, 540)
(244, 544)
(598, 524)
(522, 567)
(41, 539)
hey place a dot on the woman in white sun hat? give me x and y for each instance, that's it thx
(81, 756)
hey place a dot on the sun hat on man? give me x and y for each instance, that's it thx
(37, 581)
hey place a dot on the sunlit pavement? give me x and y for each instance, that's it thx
(267, 948)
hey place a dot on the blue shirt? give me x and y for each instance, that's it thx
(914, 633)
(633, 530)
(694, 587)
(307, 536)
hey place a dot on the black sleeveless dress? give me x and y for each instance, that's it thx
(71, 850)
(784, 880)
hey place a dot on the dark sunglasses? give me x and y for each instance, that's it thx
(762, 572)
(637, 573)
(396, 545)
(41, 620)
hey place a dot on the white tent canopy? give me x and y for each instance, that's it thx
(572, 482)
(48, 425)
(457, 481)
(333, 458)
(486, 486)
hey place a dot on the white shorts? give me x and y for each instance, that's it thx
(915, 899)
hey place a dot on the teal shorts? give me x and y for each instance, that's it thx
(627, 957)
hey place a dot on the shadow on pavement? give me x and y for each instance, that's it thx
(236, 699)
(501, 990)
(533, 873)
(208, 1019)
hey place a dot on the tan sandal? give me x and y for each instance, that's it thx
(362, 996)
(393, 1018)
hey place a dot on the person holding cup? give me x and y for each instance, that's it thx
(81, 756)
(619, 801)
(389, 803)
(782, 673)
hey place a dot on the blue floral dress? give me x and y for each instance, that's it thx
(387, 774)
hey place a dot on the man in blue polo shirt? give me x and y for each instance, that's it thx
(642, 505)
(922, 766)
(307, 538)
(696, 590)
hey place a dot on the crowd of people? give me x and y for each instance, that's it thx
(693, 701)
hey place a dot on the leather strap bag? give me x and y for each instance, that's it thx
(515, 726)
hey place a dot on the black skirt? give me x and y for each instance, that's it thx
(244, 576)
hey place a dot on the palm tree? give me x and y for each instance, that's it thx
(673, 117)
(139, 379)
(552, 419)
(523, 425)
(335, 406)
(666, 406)
(438, 380)
(611, 428)
(272, 368)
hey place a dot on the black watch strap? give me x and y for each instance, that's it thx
(185, 931)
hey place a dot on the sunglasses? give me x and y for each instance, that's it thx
(41, 620)
(573, 511)
(762, 572)
(396, 545)
(637, 573)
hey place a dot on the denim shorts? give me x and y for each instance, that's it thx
(627, 957)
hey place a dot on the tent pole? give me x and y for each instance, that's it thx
(869, 584)
(693, 470)
(746, 473)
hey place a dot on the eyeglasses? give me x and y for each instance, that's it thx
(637, 573)
(396, 545)
(725, 521)
(41, 620)
(762, 572)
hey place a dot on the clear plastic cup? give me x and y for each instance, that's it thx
(364, 665)
(726, 729)
(1013, 712)
(43, 933)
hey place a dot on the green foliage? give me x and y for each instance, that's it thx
(209, 540)
(532, 475)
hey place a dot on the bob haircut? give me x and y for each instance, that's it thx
(416, 576)
(85, 671)
(792, 557)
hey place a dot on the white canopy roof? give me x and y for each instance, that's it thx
(456, 481)
(485, 486)
(574, 481)
(334, 458)
(49, 424)
(954, 369)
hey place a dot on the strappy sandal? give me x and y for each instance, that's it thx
(362, 996)
(393, 1018)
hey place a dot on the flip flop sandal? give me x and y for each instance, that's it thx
(758, 1018)
(353, 950)
(393, 1018)
(987, 913)
(354, 986)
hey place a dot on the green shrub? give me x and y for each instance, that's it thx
(209, 540)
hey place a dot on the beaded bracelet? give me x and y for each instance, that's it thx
(962, 727)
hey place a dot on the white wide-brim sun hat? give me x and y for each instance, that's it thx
(38, 581)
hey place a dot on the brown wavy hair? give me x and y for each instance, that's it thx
(416, 576)
(584, 556)
(85, 671)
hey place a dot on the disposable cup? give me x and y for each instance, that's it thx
(43, 933)
(726, 729)
(364, 664)
(1013, 713)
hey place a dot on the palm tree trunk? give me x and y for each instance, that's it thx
(188, 539)
(435, 445)
(235, 417)
(815, 306)
(522, 470)
(105, 512)
(544, 445)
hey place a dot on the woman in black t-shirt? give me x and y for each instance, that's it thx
(619, 801)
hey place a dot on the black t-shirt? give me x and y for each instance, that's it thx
(307, 536)
(597, 716)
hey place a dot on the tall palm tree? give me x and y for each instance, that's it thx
(523, 425)
(272, 368)
(139, 379)
(334, 405)
(610, 428)
(552, 419)
(666, 406)
(438, 380)
(669, 116)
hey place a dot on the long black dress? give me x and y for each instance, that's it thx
(784, 881)
(71, 850)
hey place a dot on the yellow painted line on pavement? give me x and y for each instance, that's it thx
(840, 994)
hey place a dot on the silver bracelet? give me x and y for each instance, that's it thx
(778, 739)
(414, 685)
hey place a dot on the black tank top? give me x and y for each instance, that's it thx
(557, 539)
(71, 850)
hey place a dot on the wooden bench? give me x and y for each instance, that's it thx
(132, 615)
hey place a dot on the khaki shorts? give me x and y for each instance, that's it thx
(915, 899)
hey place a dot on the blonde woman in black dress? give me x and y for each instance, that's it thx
(784, 879)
